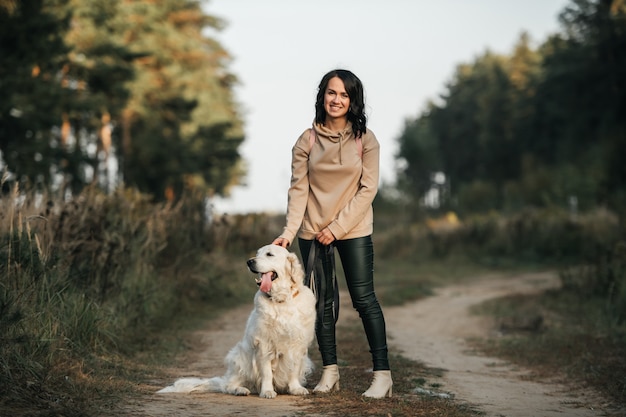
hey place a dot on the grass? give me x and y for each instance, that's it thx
(546, 354)
(88, 288)
(576, 343)
(173, 342)
(87, 283)
(119, 376)
(571, 342)
(355, 368)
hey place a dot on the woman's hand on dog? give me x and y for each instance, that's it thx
(281, 241)
(325, 237)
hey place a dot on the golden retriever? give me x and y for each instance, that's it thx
(272, 357)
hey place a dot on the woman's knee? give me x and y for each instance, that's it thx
(366, 304)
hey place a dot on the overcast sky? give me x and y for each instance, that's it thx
(404, 52)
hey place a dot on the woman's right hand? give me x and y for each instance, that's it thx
(281, 241)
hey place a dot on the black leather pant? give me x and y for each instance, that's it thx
(357, 259)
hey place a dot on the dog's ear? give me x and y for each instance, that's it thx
(297, 274)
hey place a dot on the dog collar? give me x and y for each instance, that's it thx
(294, 295)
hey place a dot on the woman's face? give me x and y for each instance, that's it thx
(336, 100)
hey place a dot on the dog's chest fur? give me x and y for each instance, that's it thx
(293, 318)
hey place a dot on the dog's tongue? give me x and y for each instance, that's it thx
(266, 281)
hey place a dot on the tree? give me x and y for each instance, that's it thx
(88, 80)
(539, 126)
(33, 58)
(99, 66)
(474, 126)
(181, 112)
(587, 67)
(419, 152)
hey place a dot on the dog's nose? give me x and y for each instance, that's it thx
(250, 262)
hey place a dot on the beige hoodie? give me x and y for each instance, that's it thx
(332, 185)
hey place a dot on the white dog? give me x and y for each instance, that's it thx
(273, 354)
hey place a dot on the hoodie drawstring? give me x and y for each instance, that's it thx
(340, 148)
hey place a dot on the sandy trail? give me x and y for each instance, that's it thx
(440, 326)
(438, 329)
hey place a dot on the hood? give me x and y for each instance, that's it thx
(336, 137)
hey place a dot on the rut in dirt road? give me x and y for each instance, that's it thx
(440, 326)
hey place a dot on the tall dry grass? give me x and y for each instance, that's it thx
(85, 280)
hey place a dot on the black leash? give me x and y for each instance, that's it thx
(315, 277)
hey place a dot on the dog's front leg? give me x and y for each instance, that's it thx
(297, 358)
(264, 362)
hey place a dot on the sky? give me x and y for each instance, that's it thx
(404, 52)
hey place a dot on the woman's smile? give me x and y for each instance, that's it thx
(336, 99)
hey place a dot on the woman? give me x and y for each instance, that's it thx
(334, 179)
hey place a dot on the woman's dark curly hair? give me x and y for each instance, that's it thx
(354, 88)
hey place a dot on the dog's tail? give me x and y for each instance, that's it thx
(187, 385)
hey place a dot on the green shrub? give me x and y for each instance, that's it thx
(604, 277)
(478, 196)
(531, 235)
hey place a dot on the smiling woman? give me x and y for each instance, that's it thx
(333, 184)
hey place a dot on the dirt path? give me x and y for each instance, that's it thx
(439, 326)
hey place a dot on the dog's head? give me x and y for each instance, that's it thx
(279, 271)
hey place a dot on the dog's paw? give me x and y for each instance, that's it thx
(298, 391)
(268, 394)
(241, 391)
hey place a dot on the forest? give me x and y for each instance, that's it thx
(538, 127)
(116, 92)
(126, 93)
(118, 122)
